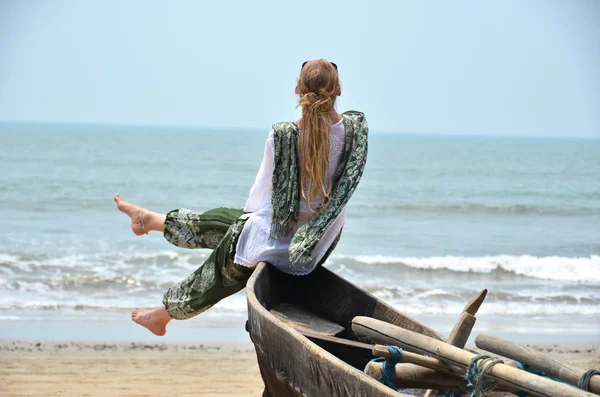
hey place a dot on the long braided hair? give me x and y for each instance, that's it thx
(318, 87)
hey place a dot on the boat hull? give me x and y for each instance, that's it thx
(305, 364)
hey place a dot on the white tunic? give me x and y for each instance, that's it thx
(254, 244)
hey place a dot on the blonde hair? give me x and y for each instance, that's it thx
(318, 87)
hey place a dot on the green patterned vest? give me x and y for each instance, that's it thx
(285, 195)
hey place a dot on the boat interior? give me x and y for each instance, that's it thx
(320, 306)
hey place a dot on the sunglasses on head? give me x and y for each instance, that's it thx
(332, 64)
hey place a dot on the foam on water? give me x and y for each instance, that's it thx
(9, 318)
(116, 282)
(416, 305)
(165, 263)
(585, 269)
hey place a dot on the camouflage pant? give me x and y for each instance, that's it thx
(218, 277)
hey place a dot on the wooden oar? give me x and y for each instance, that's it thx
(423, 361)
(535, 360)
(508, 378)
(411, 376)
(463, 327)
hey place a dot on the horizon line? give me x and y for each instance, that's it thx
(225, 127)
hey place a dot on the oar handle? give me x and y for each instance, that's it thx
(509, 378)
(423, 361)
(534, 359)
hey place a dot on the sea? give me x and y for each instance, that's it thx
(435, 219)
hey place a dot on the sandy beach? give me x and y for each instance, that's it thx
(108, 369)
(146, 369)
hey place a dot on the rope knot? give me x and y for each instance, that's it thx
(479, 367)
(388, 369)
(584, 381)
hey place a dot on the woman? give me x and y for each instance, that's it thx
(293, 216)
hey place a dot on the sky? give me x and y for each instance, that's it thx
(525, 68)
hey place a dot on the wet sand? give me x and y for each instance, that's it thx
(149, 369)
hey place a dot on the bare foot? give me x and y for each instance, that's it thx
(133, 211)
(154, 321)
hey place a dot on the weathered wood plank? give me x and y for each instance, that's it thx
(475, 303)
(302, 320)
(508, 378)
(535, 359)
(418, 359)
(462, 329)
(411, 376)
(290, 364)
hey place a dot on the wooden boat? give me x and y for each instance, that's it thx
(314, 335)
(302, 331)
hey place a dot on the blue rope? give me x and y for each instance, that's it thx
(584, 381)
(388, 369)
(534, 371)
(583, 384)
(476, 373)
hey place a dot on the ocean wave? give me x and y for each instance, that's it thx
(525, 209)
(499, 308)
(115, 264)
(462, 296)
(116, 282)
(557, 268)
(9, 318)
(415, 306)
(156, 269)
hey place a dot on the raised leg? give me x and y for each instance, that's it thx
(190, 229)
(217, 278)
(142, 220)
(154, 320)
